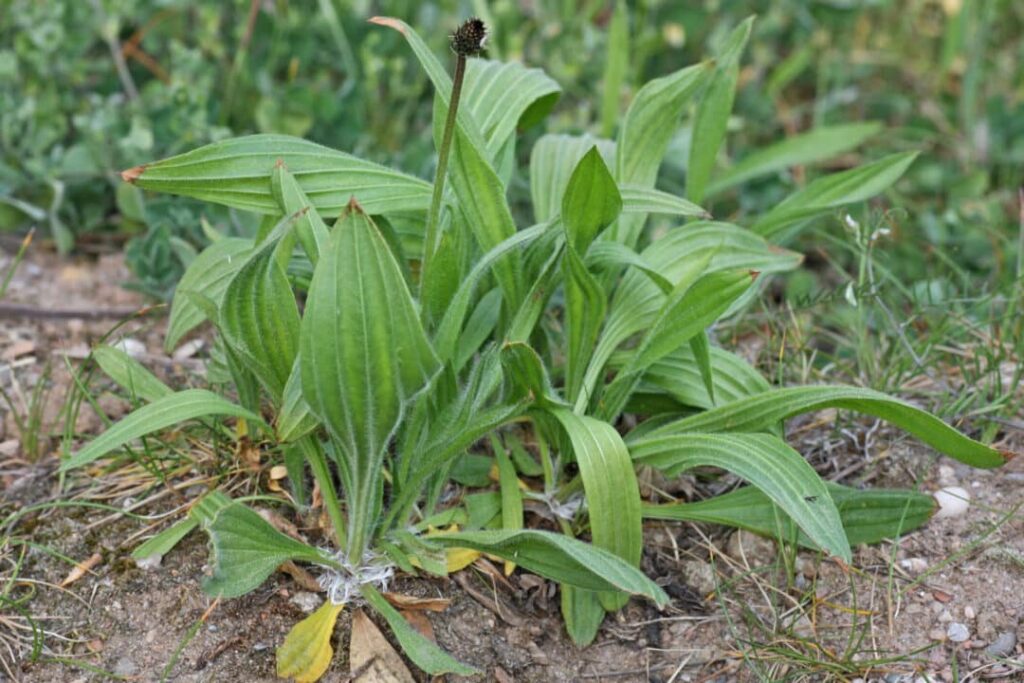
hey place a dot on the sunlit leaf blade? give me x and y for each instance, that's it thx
(306, 652)
(292, 201)
(755, 413)
(764, 461)
(130, 374)
(504, 96)
(559, 558)
(813, 146)
(679, 375)
(645, 200)
(245, 548)
(868, 516)
(552, 161)
(208, 275)
(424, 653)
(363, 354)
(687, 312)
(237, 172)
(259, 319)
(156, 416)
(613, 495)
(835, 190)
(650, 122)
(713, 112)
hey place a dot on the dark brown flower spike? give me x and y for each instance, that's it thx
(470, 37)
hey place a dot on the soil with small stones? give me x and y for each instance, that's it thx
(945, 602)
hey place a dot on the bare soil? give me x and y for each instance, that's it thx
(741, 610)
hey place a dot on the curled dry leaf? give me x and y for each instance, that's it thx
(411, 602)
(80, 569)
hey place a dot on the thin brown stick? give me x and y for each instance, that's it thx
(12, 310)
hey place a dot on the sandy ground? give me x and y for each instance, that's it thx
(946, 602)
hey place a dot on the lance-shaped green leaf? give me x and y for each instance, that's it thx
(208, 275)
(292, 201)
(130, 374)
(617, 61)
(763, 461)
(294, 419)
(245, 548)
(451, 326)
(835, 190)
(613, 495)
(476, 183)
(816, 145)
(422, 651)
(505, 96)
(584, 314)
(237, 173)
(156, 416)
(559, 558)
(591, 201)
(868, 516)
(649, 124)
(164, 542)
(712, 116)
(552, 161)
(755, 413)
(687, 312)
(679, 375)
(582, 612)
(527, 374)
(363, 355)
(259, 318)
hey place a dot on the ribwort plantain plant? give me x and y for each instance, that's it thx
(550, 335)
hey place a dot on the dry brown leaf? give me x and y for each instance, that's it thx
(410, 602)
(301, 576)
(419, 621)
(371, 658)
(280, 523)
(80, 569)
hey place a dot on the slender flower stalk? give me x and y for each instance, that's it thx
(467, 40)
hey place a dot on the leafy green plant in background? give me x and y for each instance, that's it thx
(584, 335)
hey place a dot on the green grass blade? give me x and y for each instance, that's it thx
(160, 414)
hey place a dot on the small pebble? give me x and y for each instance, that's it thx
(945, 617)
(936, 634)
(914, 565)
(969, 612)
(1003, 644)
(125, 668)
(260, 647)
(305, 601)
(958, 632)
(953, 501)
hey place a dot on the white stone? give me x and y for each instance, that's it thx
(958, 632)
(953, 501)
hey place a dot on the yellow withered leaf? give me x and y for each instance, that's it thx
(460, 558)
(306, 652)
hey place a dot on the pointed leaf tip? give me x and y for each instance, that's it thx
(133, 173)
(390, 23)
